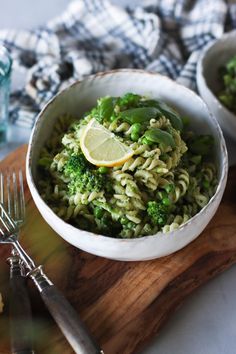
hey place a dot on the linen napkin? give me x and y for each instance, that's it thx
(95, 35)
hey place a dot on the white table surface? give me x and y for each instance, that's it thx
(206, 323)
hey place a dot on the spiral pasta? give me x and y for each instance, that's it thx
(159, 188)
(176, 223)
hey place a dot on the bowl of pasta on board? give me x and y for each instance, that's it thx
(127, 165)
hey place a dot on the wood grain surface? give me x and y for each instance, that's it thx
(124, 304)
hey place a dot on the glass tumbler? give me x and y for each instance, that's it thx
(5, 74)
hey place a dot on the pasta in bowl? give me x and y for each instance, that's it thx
(133, 176)
(166, 179)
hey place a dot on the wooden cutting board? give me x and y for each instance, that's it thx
(124, 304)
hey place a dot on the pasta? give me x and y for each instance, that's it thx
(169, 178)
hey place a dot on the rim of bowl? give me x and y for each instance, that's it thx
(223, 171)
(200, 69)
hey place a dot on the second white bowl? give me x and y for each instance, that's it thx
(214, 57)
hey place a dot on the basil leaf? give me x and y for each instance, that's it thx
(139, 115)
(168, 112)
(106, 108)
(157, 135)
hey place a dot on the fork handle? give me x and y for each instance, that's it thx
(64, 314)
(20, 309)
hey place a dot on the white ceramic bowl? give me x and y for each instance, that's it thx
(215, 56)
(81, 96)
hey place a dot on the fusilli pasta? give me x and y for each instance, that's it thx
(159, 188)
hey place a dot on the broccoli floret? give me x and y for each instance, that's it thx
(75, 164)
(158, 213)
(86, 182)
(83, 177)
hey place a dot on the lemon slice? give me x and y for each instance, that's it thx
(101, 147)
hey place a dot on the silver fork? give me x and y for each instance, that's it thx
(63, 313)
(20, 307)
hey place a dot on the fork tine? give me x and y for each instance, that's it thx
(12, 197)
(22, 196)
(9, 194)
(15, 197)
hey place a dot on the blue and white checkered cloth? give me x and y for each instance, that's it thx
(164, 36)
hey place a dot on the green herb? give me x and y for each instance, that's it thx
(164, 110)
(105, 109)
(139, 115)
(157, 135)
(128, 100)
(146, 141)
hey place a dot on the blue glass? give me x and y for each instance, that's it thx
(5, 76)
